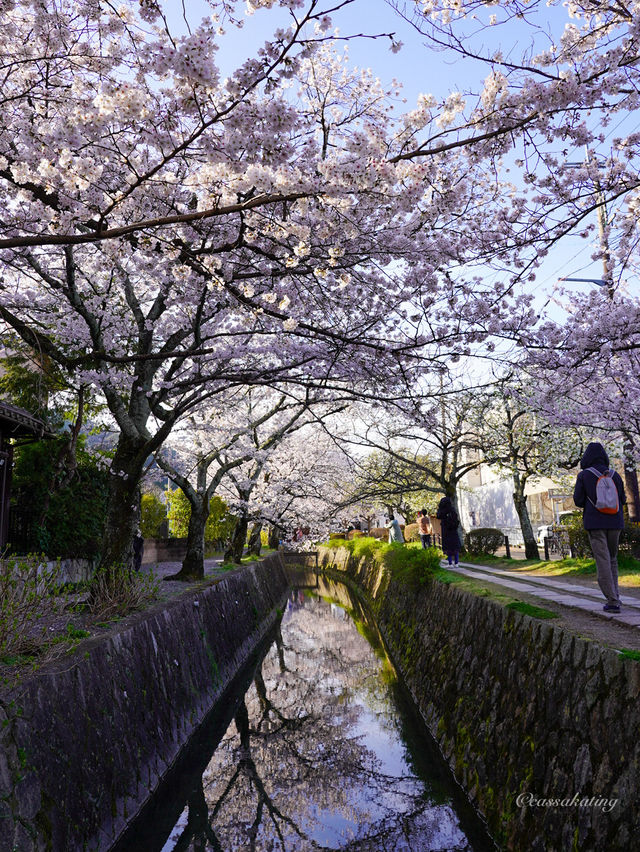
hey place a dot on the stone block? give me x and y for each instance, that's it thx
(612, 668)
(594, 656)
(582, 769)
(594, 688)
(579, 653)
(28, 797)
(6, 827)
(632, 671)
(603, 776)
(565, 651)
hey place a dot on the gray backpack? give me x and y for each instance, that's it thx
(607, 500)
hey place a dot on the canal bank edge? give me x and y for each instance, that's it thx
(539, 726)
(85, 742)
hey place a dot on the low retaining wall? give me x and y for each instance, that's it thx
(539, 726)
(168, 550)
(85, 742)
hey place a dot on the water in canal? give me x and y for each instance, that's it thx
(323, 751)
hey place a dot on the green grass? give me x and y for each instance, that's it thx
(76, 633)
(18, 659)
(629, 654)
(246, 560)
(530, 609)
(497, 561)
(628, 567)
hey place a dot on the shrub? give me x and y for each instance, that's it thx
(153, 514)
(630, 540)
(29, 596)
(412, 532)
(220, 523)
(411, 565)
(367, 547)
(335, 536)
(60, 520)
(381, 533)
(483, 540)
(118, 591)
(578, 537)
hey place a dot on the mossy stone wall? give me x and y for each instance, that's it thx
(85, 742)
(519, 708)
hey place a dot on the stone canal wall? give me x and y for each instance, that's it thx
(86, 741)
(539, 726)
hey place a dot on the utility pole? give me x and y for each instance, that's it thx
(630, 472)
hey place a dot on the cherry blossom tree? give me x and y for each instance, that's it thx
(122, 122)
(557, 77)
(171, 235)
(524, 444)
(237, 435)
(587, 371)
(303, 481)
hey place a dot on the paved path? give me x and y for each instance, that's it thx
(163, 569)
(554, 590)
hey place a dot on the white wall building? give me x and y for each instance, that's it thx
(485, 498)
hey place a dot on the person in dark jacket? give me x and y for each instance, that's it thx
(603, 529)
(138, 550)
(449, 523)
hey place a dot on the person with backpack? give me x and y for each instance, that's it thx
(449, 523)
(599, 492)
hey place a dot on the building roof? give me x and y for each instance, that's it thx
(17, 423)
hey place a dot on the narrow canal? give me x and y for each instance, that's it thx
(322, 751)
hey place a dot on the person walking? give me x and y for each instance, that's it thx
(395, 533)
(424, 528)
(599, 492)
(449, 523)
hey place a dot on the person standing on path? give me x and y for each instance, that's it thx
(395, 533)
(449, 523)
(138, 550)
(603, 525)
(424, 528)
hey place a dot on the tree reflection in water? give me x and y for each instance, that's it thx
(314, 759)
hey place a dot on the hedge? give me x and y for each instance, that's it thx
(411, 532)
(483, 540)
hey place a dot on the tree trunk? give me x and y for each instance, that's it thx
(236, 548)
(520, 502)
(631, 479)
(274, 537)
(255, 541)
(122, 509)
(193, 562)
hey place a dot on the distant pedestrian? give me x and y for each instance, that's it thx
(449, 522)
(424, 528)
(599, 492)
(138, 550)
(395, 533)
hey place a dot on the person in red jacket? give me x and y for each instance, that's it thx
(602, 526)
